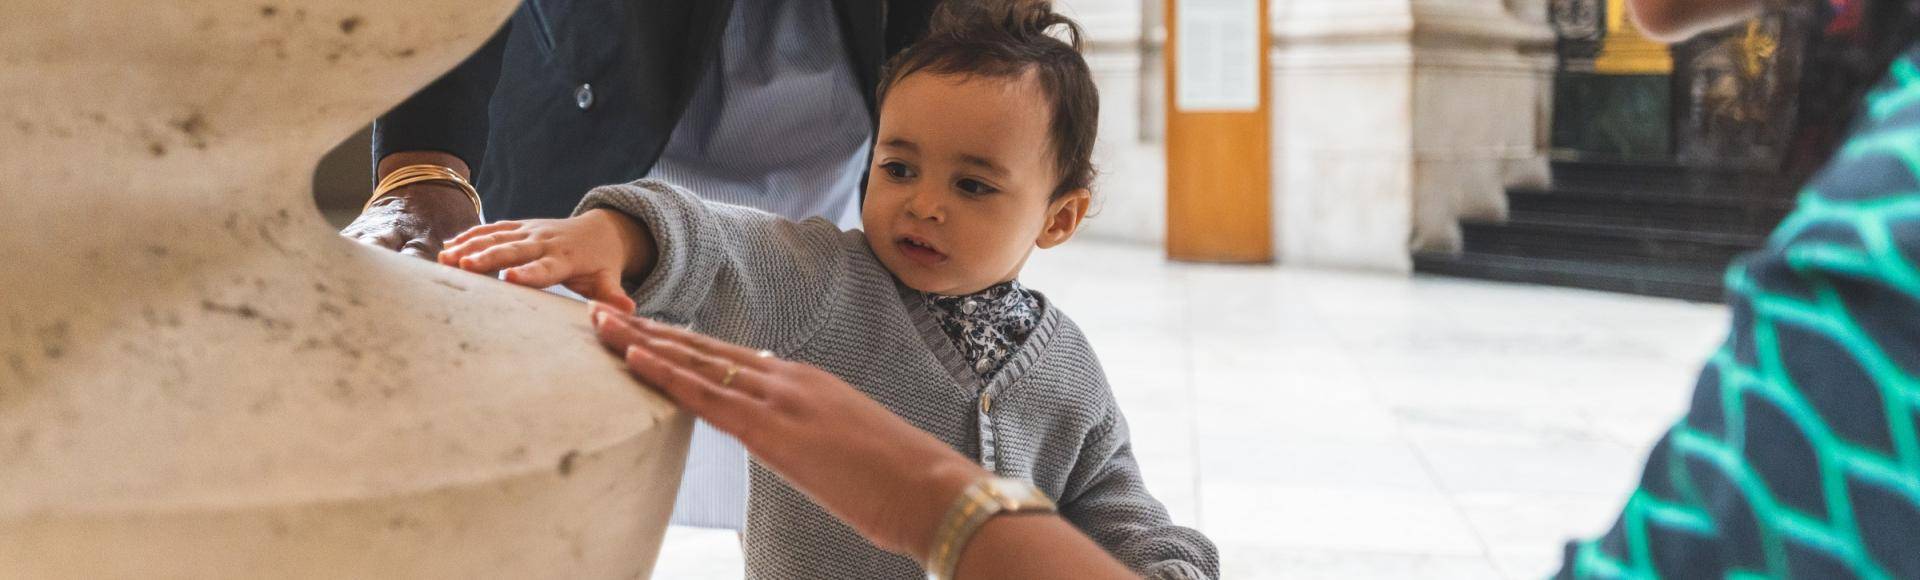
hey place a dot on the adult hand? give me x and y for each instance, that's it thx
(1677, 20)
(888, 480)
(417, 219)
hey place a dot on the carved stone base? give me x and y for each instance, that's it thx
(200, 379)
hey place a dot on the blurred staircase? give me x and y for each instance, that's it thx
(1656, 230)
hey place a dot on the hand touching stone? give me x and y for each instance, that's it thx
(886, 478)
(590, 253)
(414, 220)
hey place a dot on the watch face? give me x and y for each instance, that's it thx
(1018, 496)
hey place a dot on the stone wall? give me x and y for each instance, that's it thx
(1124, 52)
(1395, 118)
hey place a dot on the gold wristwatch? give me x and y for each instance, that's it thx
(978, 503)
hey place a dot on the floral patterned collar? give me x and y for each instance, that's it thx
(987, 326)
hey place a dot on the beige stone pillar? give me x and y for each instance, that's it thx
(200, 379)
(1392, 119)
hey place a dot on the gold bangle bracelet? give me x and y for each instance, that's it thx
(409, 175)
(413, 174)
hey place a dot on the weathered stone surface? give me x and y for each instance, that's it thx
(1394, 119)
(199, 378)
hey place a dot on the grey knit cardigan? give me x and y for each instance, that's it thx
(812, 293)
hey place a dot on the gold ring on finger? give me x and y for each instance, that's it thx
(733, 370)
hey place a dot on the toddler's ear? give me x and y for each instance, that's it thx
(1064, 215)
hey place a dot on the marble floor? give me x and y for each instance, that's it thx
(1331, 424)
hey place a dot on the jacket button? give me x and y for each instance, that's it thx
(986, 404)
(583, 96)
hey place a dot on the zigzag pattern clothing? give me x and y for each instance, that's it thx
(1800, 456)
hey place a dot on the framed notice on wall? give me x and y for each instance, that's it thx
(1218, 56)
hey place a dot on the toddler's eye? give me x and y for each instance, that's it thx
(897, 170)
(974, 187)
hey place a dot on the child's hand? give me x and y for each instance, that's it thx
(589, 253)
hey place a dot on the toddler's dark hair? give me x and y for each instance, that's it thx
(1005, 39)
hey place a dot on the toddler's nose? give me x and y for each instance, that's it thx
(925, 207)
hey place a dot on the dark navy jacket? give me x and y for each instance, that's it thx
(572, 94)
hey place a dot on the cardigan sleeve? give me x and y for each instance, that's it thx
(734, 272)
(1108, 500)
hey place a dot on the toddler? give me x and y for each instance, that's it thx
(982, 155)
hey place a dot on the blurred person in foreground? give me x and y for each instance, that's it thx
(1799, 457)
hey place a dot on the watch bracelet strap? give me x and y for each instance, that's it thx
(976, 504)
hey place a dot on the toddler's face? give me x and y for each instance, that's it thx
(958, 194)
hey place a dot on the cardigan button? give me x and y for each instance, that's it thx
(986, 404)
(583, 96)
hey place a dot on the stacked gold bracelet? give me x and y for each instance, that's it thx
(977, 504)
(412, 174)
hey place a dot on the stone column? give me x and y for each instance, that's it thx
(1393, 119)
(201, 379)
(1535, 170)
(1123, 39)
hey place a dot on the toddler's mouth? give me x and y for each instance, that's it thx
(919, 250)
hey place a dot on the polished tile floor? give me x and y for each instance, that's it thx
(1331, 424)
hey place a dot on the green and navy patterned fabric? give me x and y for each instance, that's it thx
(1799, 457)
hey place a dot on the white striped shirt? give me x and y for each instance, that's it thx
(777, 123)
